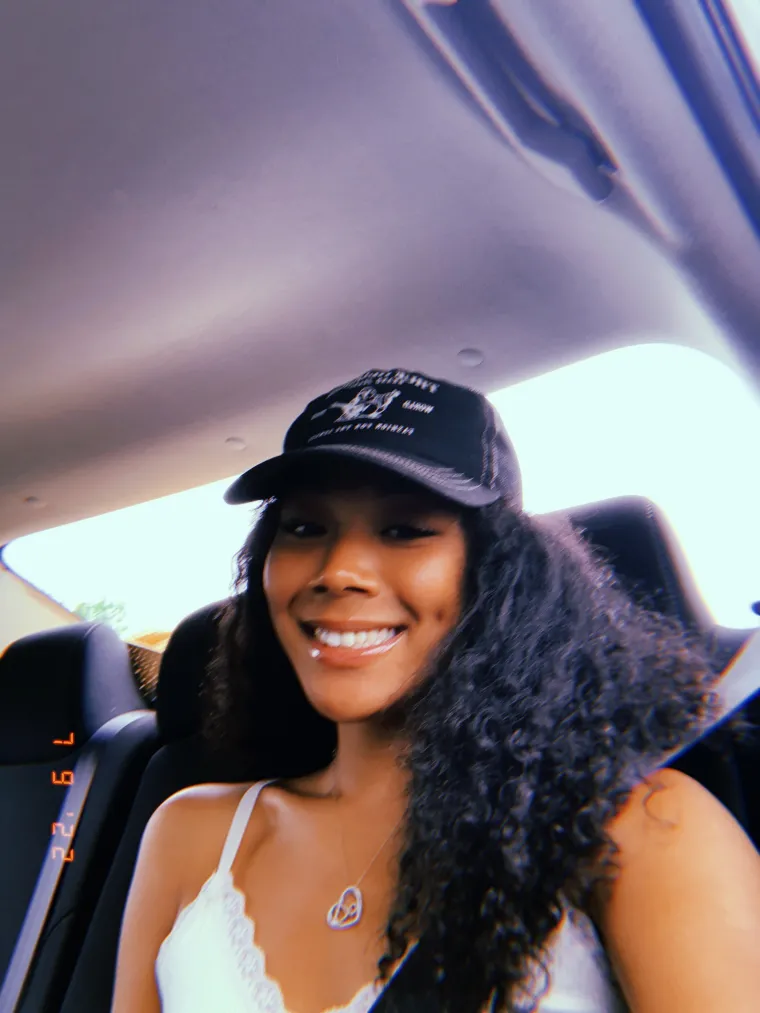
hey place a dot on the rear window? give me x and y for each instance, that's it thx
(659, 421)
(744, 17)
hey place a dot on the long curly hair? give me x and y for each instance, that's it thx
(551, 699)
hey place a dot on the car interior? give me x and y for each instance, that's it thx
(211, 213)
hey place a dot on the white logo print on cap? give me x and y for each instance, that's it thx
(367, 404)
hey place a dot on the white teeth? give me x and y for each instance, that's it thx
(357, 638)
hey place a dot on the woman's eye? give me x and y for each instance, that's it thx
(302, 529)
(407, 532)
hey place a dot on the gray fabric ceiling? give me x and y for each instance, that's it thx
(210, 212)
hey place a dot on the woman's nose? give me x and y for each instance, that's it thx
(348, 566)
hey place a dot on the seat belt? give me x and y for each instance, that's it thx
(52, 868)
(412, 988)
(735, 688)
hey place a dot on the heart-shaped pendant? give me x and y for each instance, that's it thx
(348, 909)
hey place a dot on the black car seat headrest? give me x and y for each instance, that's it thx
(71, 679)
(289, 736)
(187, 655)
(642, 547)
(647, 557)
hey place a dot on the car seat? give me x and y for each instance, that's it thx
(69, 712)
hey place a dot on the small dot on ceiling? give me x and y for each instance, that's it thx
(470, 357)
(235, 443)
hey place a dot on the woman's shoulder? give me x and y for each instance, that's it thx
(216, 795)
(211, 806)
(683, 915)
(670, 831)
(208, 796)
(203, 814)
(665, 800)
(196, 821)
(203, 804)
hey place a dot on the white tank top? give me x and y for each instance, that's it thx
(211, 961)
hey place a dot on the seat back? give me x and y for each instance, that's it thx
(177, 762)
(639, 542)
(58, 689)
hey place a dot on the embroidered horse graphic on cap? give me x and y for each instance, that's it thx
(367, 404)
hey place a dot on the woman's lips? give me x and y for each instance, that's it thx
(349, 657)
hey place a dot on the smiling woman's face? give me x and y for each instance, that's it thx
(362, 585)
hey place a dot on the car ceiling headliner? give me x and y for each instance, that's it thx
(212, 212)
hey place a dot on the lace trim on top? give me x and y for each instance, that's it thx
(264, 992)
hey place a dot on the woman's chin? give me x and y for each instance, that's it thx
(352, 708)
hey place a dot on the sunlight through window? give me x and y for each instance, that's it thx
(654, 420)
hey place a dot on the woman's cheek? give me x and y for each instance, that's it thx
(439, 585)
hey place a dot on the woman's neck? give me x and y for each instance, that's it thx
(367, 768)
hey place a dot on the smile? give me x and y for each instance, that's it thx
(359, 638)
(372, 638)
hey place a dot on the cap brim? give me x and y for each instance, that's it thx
(263, 481)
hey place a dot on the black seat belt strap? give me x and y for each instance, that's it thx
(412, 988)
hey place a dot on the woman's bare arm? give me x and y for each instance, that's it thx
(151, 909)
(682, 924)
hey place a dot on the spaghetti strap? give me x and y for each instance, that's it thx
(239, 823)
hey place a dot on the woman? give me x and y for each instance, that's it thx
(460, 712)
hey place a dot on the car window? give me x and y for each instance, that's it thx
(745, 18)
(661, 421)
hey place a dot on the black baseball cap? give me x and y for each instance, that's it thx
(443, 436)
